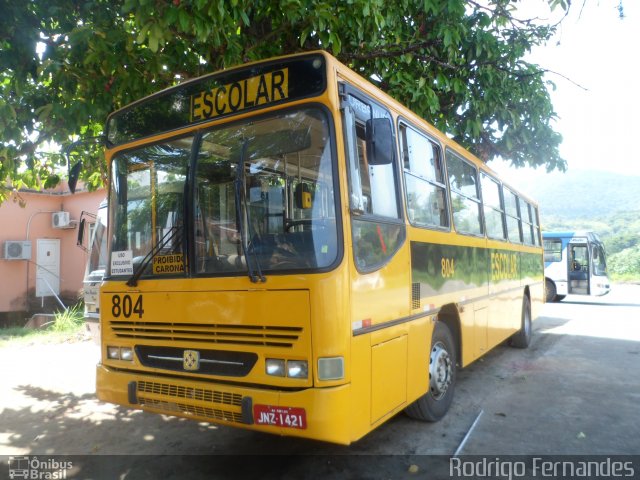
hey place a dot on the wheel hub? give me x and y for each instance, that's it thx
(440, 371)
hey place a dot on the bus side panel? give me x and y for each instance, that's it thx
(378, 299)
(420, 332)
(533, 278)
(537, 300)
(329, 308)
(557, 271)
(388, 376)
(450, 275)
(506, 294)
(360, 386)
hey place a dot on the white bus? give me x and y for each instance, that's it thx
(95, 268)
(574, 264)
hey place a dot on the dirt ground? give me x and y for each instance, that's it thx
(576, 390)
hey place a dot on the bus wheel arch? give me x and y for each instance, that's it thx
(450, 317)
(443, 360)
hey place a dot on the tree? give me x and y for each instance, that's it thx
(65, 64)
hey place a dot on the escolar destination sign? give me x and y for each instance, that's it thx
(218, 95)
(251, 92)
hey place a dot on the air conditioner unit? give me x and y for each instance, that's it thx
(60, 220)
(17, 250)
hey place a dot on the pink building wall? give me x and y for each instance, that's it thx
(33, 222)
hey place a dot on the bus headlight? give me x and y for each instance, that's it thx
(126, 353)
(331, 368)
(297, 369)
(120, 353)
(279, 367)
(275, 367)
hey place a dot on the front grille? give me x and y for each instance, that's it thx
(249, 335)
(192, 410)
(210, 362)
(175, 399)
(192, 393)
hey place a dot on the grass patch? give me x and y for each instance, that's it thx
(625, 278)
(67, 325)
(69, 320)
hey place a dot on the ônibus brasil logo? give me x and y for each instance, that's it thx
(38, 469)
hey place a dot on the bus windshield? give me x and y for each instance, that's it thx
(262, 198)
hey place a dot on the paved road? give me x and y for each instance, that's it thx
(576, 390)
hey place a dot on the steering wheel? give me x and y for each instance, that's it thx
(294, 223)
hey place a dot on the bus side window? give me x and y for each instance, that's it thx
(527, 222)
(465, 200)
(377, 229)
(425, 188)
(493, 207)
(552, 251)
(513, 216)
(599, 262)
(536, 225)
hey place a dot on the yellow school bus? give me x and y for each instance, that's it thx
(293, 251)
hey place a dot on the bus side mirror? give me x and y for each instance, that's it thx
(73, 149)
(380, 144)
(81, 226)
(74, 174)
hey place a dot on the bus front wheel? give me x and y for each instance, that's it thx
(434, 404)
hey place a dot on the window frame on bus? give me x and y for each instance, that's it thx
(553, 255)
(501, 210)
(357, 215)
(449, 153)
(530, 222)
(182, 238)
(441, 185)
(536, 219)
(506, 190)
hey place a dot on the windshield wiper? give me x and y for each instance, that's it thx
(254, 275)
(169, 236)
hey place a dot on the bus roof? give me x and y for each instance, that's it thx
(591, 236)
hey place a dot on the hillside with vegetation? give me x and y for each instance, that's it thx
(603, 202)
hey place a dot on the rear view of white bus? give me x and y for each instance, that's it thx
(575, 264)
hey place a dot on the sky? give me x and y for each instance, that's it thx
(599, 119)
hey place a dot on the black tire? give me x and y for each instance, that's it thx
(434, 404)
(551, 291)
(559, 298)
(522, 338)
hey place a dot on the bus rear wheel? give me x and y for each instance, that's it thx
(434, 404)
(522, 338)
(551, 291)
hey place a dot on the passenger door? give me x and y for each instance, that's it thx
(579, 271)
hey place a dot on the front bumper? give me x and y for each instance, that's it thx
(327, 409)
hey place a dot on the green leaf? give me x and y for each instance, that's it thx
(438, 56)
(245, 18)
(142, 35)
(184, 19)
(153, 42)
